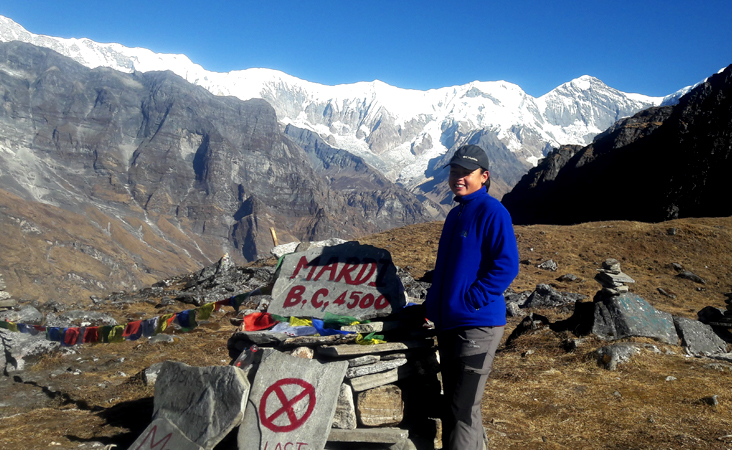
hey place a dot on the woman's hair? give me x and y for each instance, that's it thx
(488, 182)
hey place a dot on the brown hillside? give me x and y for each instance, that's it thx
(539, 395)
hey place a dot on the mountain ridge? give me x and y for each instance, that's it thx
(400, 132)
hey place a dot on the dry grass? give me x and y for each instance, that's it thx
(539, 395)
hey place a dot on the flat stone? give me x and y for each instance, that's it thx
(691, 276)
(259, 337)
(381, 366)
(352, 350)
(366, 435)
(203, 402)
(363, 360)
(618, 279)
(292, 400)
(365, 382)
(372, 327)
(699, 338)
(311, 341)
(392, 356)
(163, 434)
(628, 315)
(80, 318)
(381, 406)
(345, 414)
(8, 303)
(348, 279)
(611, 265)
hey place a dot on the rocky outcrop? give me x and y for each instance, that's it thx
(662, 163)
(166, 171)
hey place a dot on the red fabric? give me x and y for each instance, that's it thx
(71, 335)
(259, 321)
(132, 329)
(91, 335)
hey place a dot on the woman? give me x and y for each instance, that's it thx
(477, 259)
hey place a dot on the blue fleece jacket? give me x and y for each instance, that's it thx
(477, 259)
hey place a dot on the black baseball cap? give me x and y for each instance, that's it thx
(470, 157)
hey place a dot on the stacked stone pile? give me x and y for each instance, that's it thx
(390, 390)
(612, 279)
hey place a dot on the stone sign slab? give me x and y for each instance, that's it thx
(203, 402)
(348, 279)
(291, 404)
(163, 435)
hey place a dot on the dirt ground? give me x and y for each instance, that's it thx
(539, 396)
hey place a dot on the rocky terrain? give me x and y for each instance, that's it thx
(549, 388)
(662, 163)
(135, 177)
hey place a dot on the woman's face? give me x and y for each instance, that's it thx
(463, 181)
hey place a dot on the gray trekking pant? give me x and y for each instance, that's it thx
(466, 360)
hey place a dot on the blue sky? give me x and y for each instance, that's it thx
(650, 47)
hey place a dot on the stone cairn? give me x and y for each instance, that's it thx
(391, 391)
(6, 302)
(612, 279)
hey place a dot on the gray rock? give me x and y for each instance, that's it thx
(699, 338)
(163, 339)
(514, 297)
(79, 318)
(546, 297)
(165, 432)
(381, 366)
(612, 265)
(514, 310)
(291, 400)
(345, 414)
(358, 350)
(611, 279)
(18, 349)
(26, 314)
(548, 265)
(691, 276)
(366, 382)
(628, 315)
(612, 355)
(204, 402)
(711, 401)
(363, 360)
(370, 435)
(568, 278)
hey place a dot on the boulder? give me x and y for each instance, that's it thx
(629, 315)
(203, 402)
(27, 314)
(16, 349)
(699, 338)
(546, 297)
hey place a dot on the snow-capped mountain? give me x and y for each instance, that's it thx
(406, 134)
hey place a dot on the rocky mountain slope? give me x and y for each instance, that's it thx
(157, 175)
(404, 134)
(663, 163)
